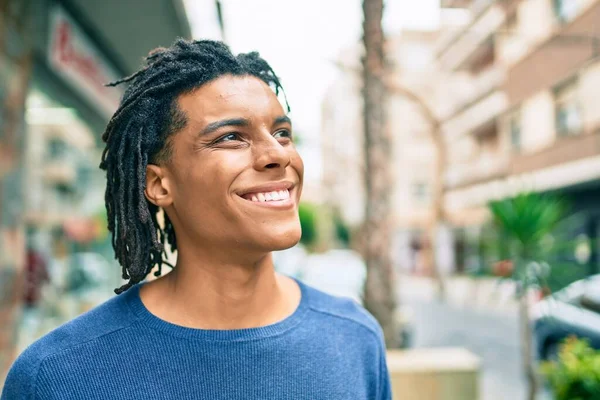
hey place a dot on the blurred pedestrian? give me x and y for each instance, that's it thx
(200, 158)
(36, 276)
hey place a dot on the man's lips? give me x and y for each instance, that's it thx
(267, 188)
(276, 194)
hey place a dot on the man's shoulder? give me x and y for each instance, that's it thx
(108, 318)
(344, 310)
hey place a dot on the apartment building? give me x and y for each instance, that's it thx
(414, 159)
(531, 118)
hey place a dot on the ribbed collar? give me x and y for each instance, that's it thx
(132, 297)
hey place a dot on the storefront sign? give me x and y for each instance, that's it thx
(74, 57)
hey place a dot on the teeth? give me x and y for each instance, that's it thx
(271, 196)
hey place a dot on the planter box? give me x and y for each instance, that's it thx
(434, 374)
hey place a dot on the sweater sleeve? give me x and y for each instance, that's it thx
(21, 379)
(385, 391)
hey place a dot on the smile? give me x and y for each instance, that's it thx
(279, 195)
(263, 197)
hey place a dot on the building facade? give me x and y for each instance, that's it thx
(531, 120)
(412, 56)
(55, 58)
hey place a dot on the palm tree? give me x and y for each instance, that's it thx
(525, 222)
(379, 296)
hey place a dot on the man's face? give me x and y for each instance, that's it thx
(234, 177)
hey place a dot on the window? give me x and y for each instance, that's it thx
(56, 149)
(565, 10)
(513, 128)
(568, 113)
(421, 192)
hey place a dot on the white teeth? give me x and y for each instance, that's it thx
(275, 195)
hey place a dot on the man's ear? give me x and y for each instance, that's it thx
(157, 186)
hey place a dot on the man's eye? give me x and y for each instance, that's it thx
(283, 134)
(228, 138)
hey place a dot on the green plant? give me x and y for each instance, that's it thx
(308, 222)
(342, 232)
(523, 225)
(575, 375)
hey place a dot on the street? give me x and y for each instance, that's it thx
(490, 334)
(494, 338)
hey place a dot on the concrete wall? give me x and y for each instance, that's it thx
(434, 374)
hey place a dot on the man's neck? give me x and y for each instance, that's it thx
(205, 294)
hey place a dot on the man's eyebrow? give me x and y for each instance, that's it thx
(284, 119)
(213, 126)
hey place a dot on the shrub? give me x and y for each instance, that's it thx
(308, 222)
(575, 375)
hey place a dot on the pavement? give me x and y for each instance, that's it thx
(481, 318)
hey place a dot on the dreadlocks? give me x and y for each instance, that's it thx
(138, 135)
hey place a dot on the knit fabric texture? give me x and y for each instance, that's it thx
(329, 348)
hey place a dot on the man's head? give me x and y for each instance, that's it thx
(200, 134)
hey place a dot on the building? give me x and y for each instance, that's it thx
(55, 57)
(412, 54)
(531, 118)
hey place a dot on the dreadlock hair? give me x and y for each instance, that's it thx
(138, 135)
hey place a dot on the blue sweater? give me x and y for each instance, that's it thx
(329, 348)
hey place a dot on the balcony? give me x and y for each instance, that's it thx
(559, 57)
(60, 172)
(487, 167)
(564, 150)
(456, 3)
(478, 112)
(454, 50)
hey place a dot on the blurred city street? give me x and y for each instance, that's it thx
(491, 336)
(441, 139)
(491, 333)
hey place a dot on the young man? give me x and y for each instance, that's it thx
(200, 157)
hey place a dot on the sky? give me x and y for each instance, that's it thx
(301, 39)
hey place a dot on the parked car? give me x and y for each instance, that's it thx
(572, 311)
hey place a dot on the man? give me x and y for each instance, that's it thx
(200, 158)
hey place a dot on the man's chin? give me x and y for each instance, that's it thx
(282, 241)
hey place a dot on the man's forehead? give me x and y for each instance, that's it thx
(230, 96)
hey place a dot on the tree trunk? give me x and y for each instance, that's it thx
(526, 344)
(380, 298)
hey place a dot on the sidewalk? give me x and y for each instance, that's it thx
(482, 294)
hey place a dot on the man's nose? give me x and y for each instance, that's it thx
(270, 154)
